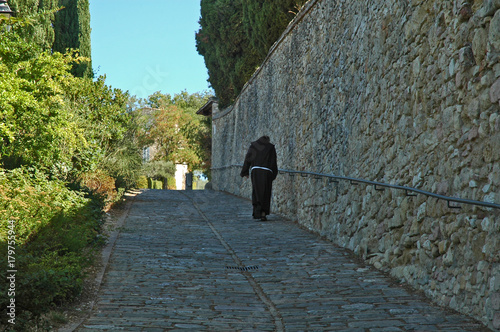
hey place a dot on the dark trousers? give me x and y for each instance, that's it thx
(262, 184)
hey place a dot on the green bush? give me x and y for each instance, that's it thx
(171, 184)
(142, 182)
(150, 183)
(155, 184)
(56, 229)
(31, 200)
(235, 37)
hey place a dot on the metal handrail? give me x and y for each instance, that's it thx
(377, 185)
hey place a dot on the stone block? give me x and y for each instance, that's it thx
(495, 92)
(396, 221)
(456, 238)
(494, 32)
(495, 283)
(489, 7)
(496, 320)
(421, 213)
(443, 246)
(491, 197)
(494, 122)
(479, 44)
(495, 301)
(448, 258)
(487, 225)
(466, 57)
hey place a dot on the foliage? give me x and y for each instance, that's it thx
(59, 142)
(28, 196)
(165, 132)
(222, 41)
(197, 131)
(124, 163)
(53, 120)
(142, 182)
(56, 26)
(36, 25)
(124, 160)
(14, 48)
(173, 128)
(235, 37)
(101, 185)
(35, 129)
(159, 169)
(264, 21)
(171, 183)
(72, 31)
(199, 137)
(53, 227)
(101, 113)
(156, 184)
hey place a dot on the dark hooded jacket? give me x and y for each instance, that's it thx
(261, 153)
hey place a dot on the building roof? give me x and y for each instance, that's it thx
(206, 109)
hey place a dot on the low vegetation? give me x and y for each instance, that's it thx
(56, 230)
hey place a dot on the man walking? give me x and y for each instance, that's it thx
(260, 163)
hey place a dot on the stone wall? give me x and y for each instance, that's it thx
(403, 92)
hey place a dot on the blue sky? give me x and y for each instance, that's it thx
(148, 46)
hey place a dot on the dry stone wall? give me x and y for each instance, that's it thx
(403, 92)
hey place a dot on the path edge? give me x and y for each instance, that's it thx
(105, 257)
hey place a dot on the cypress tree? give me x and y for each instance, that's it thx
(264, 21)
(222, 41)
(41, 33)
(72, 31)
(235, 37)
(67, 29)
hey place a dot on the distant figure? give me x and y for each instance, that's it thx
(260, 163)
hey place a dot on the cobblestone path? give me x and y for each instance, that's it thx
(197, 261)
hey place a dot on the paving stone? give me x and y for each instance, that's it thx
(176, 266)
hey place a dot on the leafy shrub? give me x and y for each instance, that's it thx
(159, 169)
(156, 184)
(30, 199)
(142, 182)
(101, 184)
(171, 184)
(56, 229)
